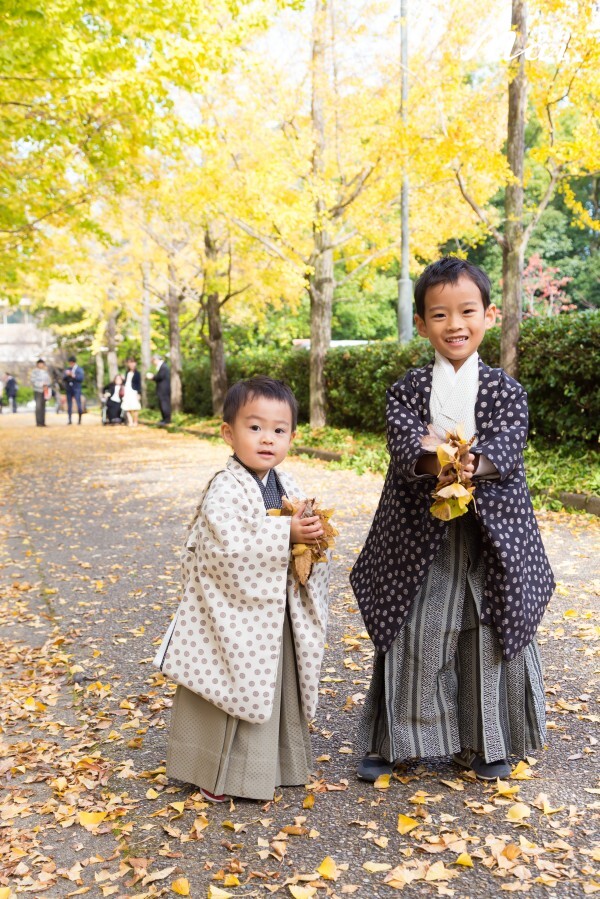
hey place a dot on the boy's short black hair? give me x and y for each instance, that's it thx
(72, 359)
(448, 270)
(245, 391)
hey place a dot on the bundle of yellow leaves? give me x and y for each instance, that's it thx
(453, 491)
(305, 555)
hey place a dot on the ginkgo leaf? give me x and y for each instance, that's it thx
(300, 892)
(181, 886)
(309, 801)
(376, 867)
(518, 812)
(5, 893)
(464, 859)
(328, 869)
(382, 782)
(446, 454)
(91, 820)
(216, 893)
(406, 824)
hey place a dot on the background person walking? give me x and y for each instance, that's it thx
(10, 389)
(73, 378)
(162, 379)
(40, 380)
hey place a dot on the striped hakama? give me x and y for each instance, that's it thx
(444, 685)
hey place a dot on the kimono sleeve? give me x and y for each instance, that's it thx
(505, 440)
(404, 429)
(231, 528)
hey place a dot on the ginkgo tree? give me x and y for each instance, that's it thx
(84, 88)
(547, 78)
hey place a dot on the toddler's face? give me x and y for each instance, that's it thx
(455, 320)
(261, 434)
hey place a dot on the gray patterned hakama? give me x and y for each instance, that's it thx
(444, 685)
(223, 754)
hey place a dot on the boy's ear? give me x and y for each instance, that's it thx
(420, 326)
(490, 316)
(226, 433)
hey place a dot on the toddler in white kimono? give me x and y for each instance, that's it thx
(453, 607)
(247, 641)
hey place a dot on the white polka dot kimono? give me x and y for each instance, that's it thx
(225, 640)
(405, 537)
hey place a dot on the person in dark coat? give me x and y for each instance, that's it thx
(11, 389)
(453, 606)
(73, 378)
(162, 379)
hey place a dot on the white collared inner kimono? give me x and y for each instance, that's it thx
(225, 640)
(443, 685)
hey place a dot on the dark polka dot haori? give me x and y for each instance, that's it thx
(225, 640)
(404, 537)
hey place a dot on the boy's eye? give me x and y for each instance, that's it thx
(254, 427)
(280, 430)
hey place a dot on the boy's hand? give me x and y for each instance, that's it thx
(305, 530)
(428, 464)
(470, 466)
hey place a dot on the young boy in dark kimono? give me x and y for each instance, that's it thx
(453, 607)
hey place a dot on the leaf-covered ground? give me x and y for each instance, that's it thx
(91, 524)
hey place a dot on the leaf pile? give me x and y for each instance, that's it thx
(453, 491)
(305, 555)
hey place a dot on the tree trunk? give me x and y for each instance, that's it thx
(111, 343)
(513, 249)
(216, 349)
(405, 288)
(145, 361)
(321, 280)
(321, 302)
(99, 358)
(218, 370)
(173, 303)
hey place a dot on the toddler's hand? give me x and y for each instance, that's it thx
(305, 530)
(469, 467)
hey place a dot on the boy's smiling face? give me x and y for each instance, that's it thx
(455, 319)
(261, 434)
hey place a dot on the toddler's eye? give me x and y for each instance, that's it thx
(279, 430)
(254, 428)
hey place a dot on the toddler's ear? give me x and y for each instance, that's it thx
(226, 433)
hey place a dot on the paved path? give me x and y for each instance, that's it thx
(92, 521)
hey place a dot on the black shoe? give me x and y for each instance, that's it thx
(466, 758)
(372, 767)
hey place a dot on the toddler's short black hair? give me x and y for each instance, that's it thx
(245, 391)
(448, 270)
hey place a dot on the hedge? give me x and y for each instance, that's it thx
(559, 364)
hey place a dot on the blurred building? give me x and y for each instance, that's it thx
(22, 342)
